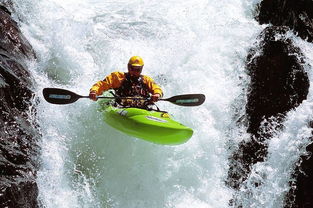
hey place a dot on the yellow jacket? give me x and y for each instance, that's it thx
(115, 79)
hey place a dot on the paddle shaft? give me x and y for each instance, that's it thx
(62, 96)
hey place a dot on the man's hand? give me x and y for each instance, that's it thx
(93, 96)
(155, 97)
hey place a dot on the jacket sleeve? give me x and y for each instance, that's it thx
(112, 81)
(152, 86)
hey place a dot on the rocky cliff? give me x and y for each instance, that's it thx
(18, 132)
(279, 83)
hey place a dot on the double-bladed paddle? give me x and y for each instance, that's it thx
(62, 96)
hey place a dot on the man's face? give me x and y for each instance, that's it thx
(134, 71)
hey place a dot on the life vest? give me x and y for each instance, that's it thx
(133, 87)
(115, 80)
(126, 86)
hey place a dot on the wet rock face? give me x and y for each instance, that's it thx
(301, 194)
(18, 135)
(278, 80)
(278, 84)
(296, 14)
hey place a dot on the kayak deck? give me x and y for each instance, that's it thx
(153, 126)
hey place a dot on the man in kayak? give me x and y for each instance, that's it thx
(129, 84)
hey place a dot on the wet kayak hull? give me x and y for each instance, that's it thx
(152, 126)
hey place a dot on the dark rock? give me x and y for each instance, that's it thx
(18, 133)
(278, 80)
(296, 14)
(301, 194)
(278, 84)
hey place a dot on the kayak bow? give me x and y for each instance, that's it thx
(152, 126)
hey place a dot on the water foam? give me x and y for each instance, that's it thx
(188, 47)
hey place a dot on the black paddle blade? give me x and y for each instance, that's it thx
(59, 96)
(187, 100)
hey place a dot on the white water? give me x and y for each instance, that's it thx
(188, 47)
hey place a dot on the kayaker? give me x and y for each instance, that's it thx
(129, 84)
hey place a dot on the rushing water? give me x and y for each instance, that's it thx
(188, 47)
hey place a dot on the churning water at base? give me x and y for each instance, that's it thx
(188, 47)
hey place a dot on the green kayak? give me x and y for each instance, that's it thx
(153, 126)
